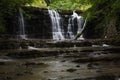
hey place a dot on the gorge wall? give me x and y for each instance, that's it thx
(37, 22)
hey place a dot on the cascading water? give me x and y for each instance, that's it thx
(81, 29)
(57, 28)
(70, 34)
(71, 26)
(22, 34)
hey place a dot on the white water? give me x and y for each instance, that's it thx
(33, 48)
(79, 31)
(22, 34)
(57, 29)
(71, 26)
(70, 34)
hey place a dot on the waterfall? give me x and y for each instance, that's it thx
(71, 26)
(22, 25)
(70, 34)
(82, 28)
(57, 28)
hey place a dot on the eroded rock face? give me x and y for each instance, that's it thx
(44, 43)
(37, 22)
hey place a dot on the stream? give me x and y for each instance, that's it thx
(104, 65)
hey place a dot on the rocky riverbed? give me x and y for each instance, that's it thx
(93, 62)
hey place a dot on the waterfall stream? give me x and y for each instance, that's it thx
(22, 34)
(83, 27)
(71, 26)
(57, 28)
(76, 24)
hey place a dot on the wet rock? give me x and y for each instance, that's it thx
(86, 79)
(93, 66)
(19, 74)
(16, 44)
(63, 60)
(46, 72)
(86, 43)
(105, 77)
(33, 53)
(87, 51)
(53, 79)
(28, 72)
(84, 60)
(99, 70)
(9, 78)
(2, 63)
(72, 43)
(71, 70)
(95, 59)
(8, 44)
(77, 65)
(113, 50)
(33, 63)
(62, 70)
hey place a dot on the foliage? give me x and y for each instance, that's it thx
(93, 7)
(101, 14)
(68, 4)
(38, 3)
(8, 7)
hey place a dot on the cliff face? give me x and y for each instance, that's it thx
(37, 23)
